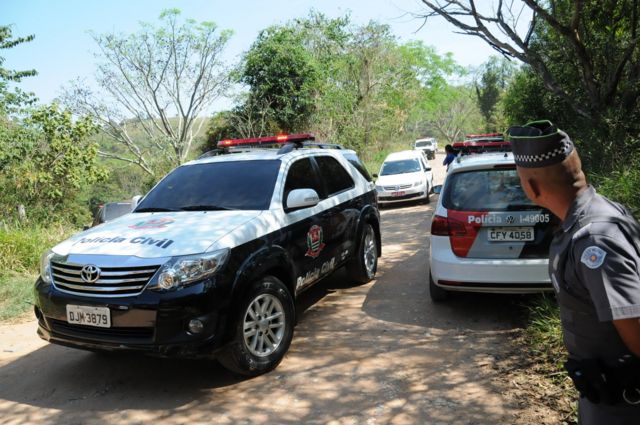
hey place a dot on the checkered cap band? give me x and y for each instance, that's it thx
(539, 145)
(540, 157)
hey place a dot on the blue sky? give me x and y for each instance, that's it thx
(63, 49)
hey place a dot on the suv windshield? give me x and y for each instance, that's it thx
(400, 167)
(423, 144)
(486, 190)
(237, 185)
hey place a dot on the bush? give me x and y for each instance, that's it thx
(544, 331)
(21, 247)
(621, 185)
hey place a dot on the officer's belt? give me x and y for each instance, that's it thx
(600, 383)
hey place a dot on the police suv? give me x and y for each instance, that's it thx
(212, 258)
(486, 235)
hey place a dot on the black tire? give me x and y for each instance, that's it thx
(364, 264)
(250, 355)
(436, 293)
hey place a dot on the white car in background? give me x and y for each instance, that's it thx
(428, 146)
(404, 176)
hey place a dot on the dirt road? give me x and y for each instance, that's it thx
(373, 354)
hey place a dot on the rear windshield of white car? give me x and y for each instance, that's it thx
(237, 185)
(423, 144)
(400, 167)
(485, 190)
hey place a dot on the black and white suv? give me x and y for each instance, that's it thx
(212, 258)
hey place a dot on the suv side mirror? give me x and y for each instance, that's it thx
(302, 198)
(135, 201)
(437, 189)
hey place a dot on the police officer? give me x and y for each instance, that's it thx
(593, 262)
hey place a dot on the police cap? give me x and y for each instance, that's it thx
(539, 144)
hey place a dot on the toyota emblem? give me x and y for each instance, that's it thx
(90, 273)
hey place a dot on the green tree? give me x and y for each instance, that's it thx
(12, 99)
(155, 83)
(281, 75)
(585, 53)
(494, 78)
(49, 163)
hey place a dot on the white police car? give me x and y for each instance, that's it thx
(486, 236)
(212, 258)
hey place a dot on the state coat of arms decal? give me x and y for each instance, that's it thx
(315, 242)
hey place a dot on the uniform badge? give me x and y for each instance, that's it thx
(593, 257)
(315, 242)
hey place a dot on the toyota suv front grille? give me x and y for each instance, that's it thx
(101, 282)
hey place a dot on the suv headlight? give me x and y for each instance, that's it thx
(418, 183)
(379, 188)
(180, 271)
(45, 267)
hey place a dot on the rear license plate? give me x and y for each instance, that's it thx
(89, 316)
(397, 193)
(511, 234)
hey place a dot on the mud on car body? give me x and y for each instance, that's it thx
(486, 236)
(212, 258)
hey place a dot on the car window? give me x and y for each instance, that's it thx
(115, 210)
(336, 179)
(400, 167)
(485, 190)
(423, 144)
(236, 185)
(301, 175)
(355, 161)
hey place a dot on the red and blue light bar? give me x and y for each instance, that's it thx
(269, 140)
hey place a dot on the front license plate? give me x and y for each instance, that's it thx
(397, 193)
(89, 316)
(511, 234)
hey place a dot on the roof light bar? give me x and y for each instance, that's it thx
(279, 139)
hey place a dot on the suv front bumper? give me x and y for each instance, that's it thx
(152, 322)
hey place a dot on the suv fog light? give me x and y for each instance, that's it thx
(196, 326)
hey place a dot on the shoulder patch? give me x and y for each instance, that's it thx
(593, 257)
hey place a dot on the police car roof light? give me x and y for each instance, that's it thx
(481, 143)
(270, 140)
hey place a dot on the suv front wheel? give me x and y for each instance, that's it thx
(263, 329)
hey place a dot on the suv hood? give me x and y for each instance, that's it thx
(156, 235)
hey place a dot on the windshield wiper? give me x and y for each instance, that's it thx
(154, 209)
(204, 208)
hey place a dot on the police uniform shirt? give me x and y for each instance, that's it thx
(594, 270)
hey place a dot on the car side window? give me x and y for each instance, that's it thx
(334, 176)
(301, 175)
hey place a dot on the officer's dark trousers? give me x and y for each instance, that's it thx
(599, 414)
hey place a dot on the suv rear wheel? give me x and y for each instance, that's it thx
(363, 266)
(263, 329)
